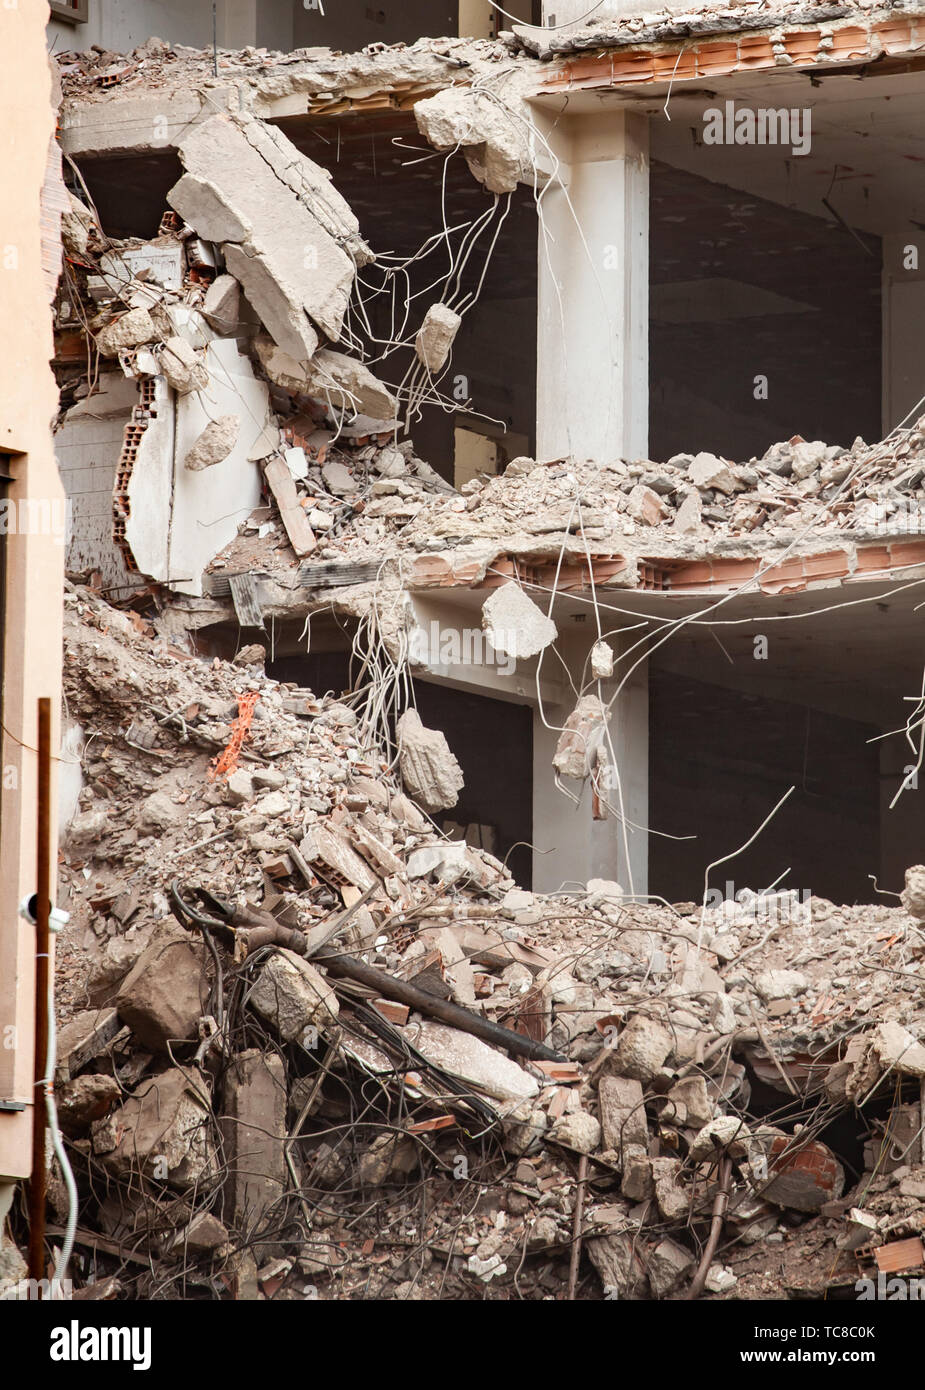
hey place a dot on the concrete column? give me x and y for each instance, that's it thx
(569, 845)
(593, 290)
(903, 303)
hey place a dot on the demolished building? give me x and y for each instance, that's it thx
(512, 451)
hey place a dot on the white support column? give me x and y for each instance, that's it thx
(593, 290)
(571, 847)
(903, 308)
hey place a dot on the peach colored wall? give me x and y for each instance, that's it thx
(32, 636)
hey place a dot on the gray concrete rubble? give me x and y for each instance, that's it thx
(436, 336)
(187, 1093)
(515, 625)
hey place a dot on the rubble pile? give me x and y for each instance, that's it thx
(310, 1047)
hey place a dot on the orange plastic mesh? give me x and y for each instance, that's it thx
(226, 761)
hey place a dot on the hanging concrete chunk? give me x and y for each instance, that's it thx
(514, 624)
(435, 336)
(580, 739)
(215, 443)
(428, 768)
(286, 234)
(494, 142)
(344, 382)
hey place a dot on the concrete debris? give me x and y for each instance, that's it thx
(514, 625)
(214, 444)
(428, 768)
(292, 996)
(183, 366)
(646, 1085)
(160, 997)
(436, 335)
(495, 142)
(579, 741)
(284, 231)
(127, 331)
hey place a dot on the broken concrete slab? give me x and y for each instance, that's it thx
(668, 1265)
(428, 768)
(436, 335)
(221, 307)
(286, 234)
(215, 443)
(165, 1133)
(294, 997)
(86, 1036)
(84, 1100)
(472, 1060)
(162, 999)
(515, 625)
(254, 1129)
(295, 523)
(897, 1049)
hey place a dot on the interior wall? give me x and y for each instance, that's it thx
(351, 24)
(721, 759)
(493, 743)
(122, 25)
(765, 322)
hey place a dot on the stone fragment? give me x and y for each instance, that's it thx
(435, 336)
(240, 787)
(578, 1130)
(428, 768)
(580, 739)
(158, 812)
(84, 1100)
(165, 1133)
(601, 660)
(688, 517)
(127, 331)
(221, 307)
(707, 472)
(623, 1114)
(897, 1048)
(214, 444)
(293, 996)
(913, 895)
(162, 998)
(87, 828)
(621, 1265)
(637, 1184)
(338, 479)
(183, 366)
(673, 1199)
(494, 143)
(691, 1101)
(668, 1264)
(780, 984)
(514, 625)
(724, 1132)
(644, 505)
(807, 457)
(642, 1048)
(388, 1156)
(85, 1037)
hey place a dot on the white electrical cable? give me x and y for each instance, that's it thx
(57, 1283)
